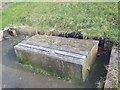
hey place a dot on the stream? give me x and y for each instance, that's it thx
(15, 76)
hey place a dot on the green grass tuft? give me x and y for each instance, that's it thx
(100, 84)
(44, 72)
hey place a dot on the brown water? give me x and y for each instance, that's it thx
(15, 76)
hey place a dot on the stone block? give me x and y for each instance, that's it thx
(62, 56)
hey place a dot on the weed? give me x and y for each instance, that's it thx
(44, 72)
(100, 84)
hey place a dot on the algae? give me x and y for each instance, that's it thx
(44, 72)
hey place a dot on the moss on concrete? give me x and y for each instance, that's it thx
(22, 59)
(44, 72)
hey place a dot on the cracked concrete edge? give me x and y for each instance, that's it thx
(111, 71)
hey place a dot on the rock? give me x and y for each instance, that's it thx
(4, 34)
(22, 30)
(63, 56)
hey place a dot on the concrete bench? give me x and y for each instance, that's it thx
(62, 56)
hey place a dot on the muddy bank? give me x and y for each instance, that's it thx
(28, 31)
(18, 30)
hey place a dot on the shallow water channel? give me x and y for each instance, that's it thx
(15, 76)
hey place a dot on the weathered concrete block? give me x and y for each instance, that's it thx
(63, 56)
(112, 71)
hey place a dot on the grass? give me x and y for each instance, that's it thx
(97, 19)
(101, 84)
(117, 85)
(44, 72)
(36, 69)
